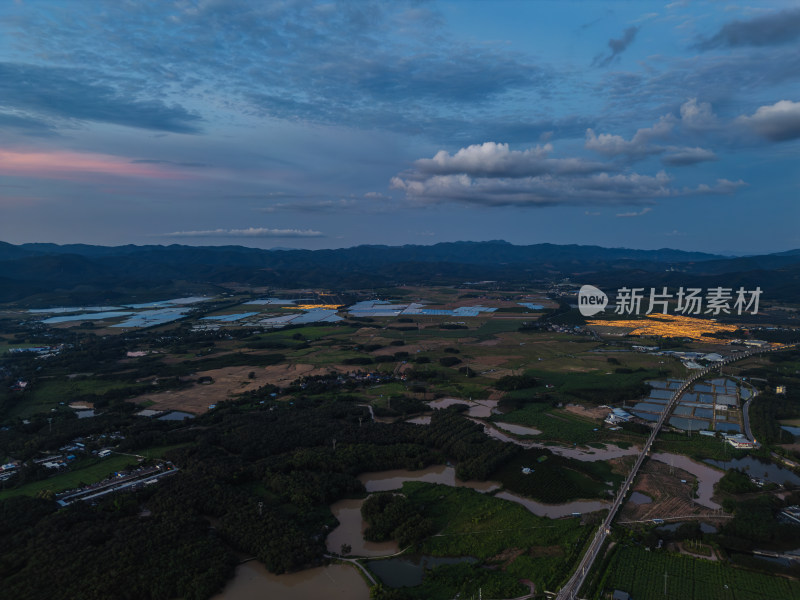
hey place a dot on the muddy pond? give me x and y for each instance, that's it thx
(335, 582)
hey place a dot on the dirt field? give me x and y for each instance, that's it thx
(671, 498)
(227, 383)
(583, 411)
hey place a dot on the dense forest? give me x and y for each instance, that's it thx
(257, 478)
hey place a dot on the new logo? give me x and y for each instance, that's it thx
(591, 300)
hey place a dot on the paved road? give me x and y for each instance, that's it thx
(746, 415)
(573, 586)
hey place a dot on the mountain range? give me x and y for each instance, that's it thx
(29, 273)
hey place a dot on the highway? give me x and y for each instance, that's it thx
(573, 586)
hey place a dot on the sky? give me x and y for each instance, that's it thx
(302, 124)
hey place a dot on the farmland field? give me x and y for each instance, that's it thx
(641, 574)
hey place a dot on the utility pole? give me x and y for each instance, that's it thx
(665, 582)
(334, 444)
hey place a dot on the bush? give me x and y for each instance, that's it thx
(358, 360)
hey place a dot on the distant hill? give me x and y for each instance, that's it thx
(31, 271)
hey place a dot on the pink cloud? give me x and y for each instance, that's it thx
(75, 165)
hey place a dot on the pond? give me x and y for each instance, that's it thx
(336, 582)
(176, 415)
(423, 420)
(72, 309)
(382, 481)
(640, 498)
(704, 527)
(408, 570)
(98, 316)
(518, 429)
(761, 469)
(477, 408)
(149, 318)
(351, 531)
(707, 477)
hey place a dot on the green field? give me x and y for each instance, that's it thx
(85, 471)
(556, 424)
(47, 394)
(555, 479)
(641, 574)
(469, 523)
(697, 446)
(5, 346)
(96, 469)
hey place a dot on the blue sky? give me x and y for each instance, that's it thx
(332, 124)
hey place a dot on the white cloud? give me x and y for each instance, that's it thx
(318, 206)
(644, 211)
(257, 232)
(697, 115)
(777, 123)
(600, 188)
(491, 174)
(498, 160)
(723, 186)
(639, 146)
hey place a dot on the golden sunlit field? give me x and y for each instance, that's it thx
(675, 326)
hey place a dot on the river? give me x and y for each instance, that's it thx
(608, 452)
(554, 511)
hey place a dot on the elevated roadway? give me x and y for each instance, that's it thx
(573, 586)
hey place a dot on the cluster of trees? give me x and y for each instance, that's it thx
(393, 517)
(736, 481)
(108, 552)
(754, 525)
(767, 411)
(510, 383)
(401, 405)
(449, 361)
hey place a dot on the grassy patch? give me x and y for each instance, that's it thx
(556, 479)
(599, 387)
(88, 470)
(469, 523)
(555, 424)
(47, 394)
